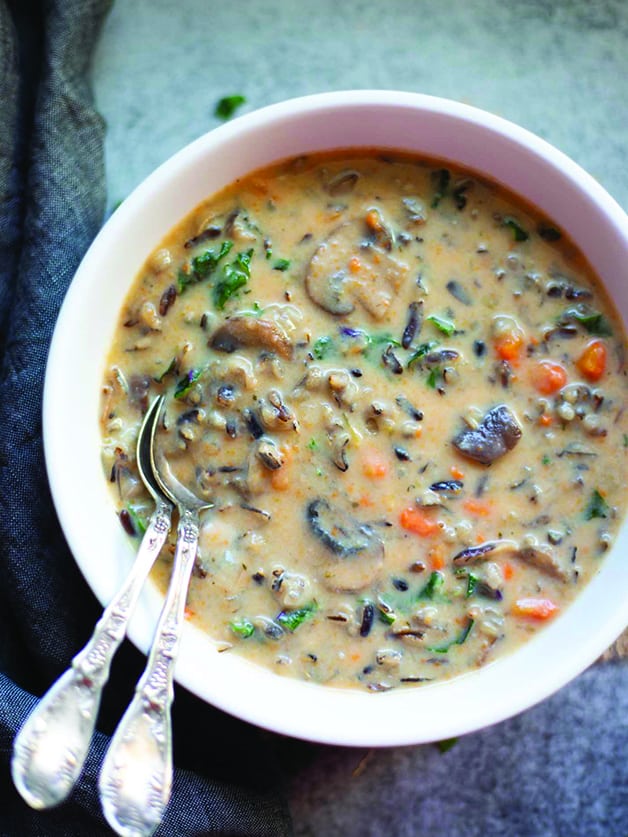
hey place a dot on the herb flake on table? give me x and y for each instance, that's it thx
(228, 105)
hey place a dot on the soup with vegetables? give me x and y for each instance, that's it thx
(403, 391)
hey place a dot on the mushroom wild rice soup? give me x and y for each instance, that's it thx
(403, 390)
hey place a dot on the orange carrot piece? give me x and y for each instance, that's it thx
(480, 508)
(548, 376)
(374, 465)
(532, 608)
(456, 473)
(507, 570)
(354, 264)
(416, 520)
(508, 346)
(436, 556)
(546, 420)
(592, 362)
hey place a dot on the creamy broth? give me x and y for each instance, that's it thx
(403, 390)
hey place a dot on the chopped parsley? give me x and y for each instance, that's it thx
(443, 325)
(592, 321)
(185, 384)
(227, 106)
(201, 267)
(464, 633)
(432, 589)
(234, 276)
(519, 234)
(596, 507)
(291, 619)
(421, 351)
(322, 347)
(282, 265)
(242, 628)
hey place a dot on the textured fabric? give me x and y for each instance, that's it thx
(52, 204)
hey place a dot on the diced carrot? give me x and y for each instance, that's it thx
(354, 264)
(188, 613)
(592, 361)
(507, 570)
(456, 473)
(355, 656)
(535, 608)
(508, 346)
(548, 376)
(480, 508)
(374, 464)
(546, 420)
(436, 556)
(416, 520)
(366, 500)
(374, 221)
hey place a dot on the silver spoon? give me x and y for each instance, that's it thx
(50, 749)
(136, 776)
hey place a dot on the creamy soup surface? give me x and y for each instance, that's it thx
(402, 389)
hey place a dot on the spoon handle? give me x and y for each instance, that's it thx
(136, 776)
(50, 749)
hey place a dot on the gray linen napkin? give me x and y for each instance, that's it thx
(51, 206)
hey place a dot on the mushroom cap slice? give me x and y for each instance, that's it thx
(373, 282)
(498, 433)
(354, 554)
(242, 330)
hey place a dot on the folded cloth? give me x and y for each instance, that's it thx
(53, 197)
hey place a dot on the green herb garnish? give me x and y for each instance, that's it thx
(138, 521)
(546, 460)
(322, 347)
(312, 444)
(596, 507)
(234, 276)
(464, 633)
(227, 106)
(291, 619)
(242, 628)
(205, 264)
(185, 384)
(421, 351)
(443, 325)
(281, 264)
(518, 231)
(432, 378)
(201, 267)
(592, 321)
(432, 589)
(167, 371)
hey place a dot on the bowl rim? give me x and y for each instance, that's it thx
(326, 714)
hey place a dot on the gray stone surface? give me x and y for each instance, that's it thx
(559, 69)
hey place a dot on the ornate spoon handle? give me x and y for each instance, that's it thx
(136, 775)
(50, 749)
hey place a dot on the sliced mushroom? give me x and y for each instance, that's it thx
(354, 554)
(498, 433)
(541, 557)
(335, 287)
(241, 331)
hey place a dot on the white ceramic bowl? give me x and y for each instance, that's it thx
(411, 122)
